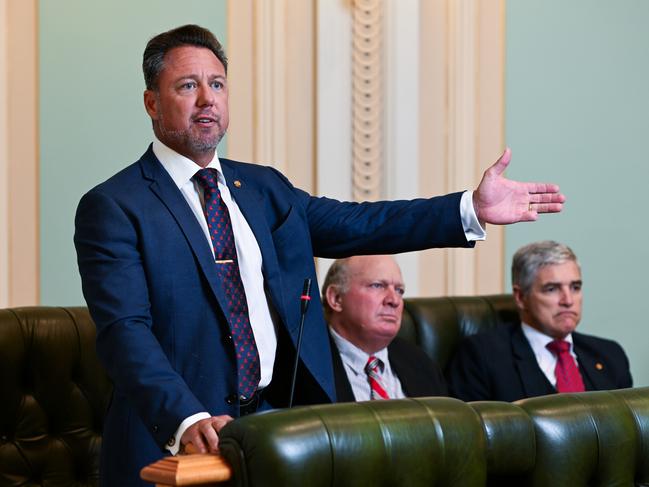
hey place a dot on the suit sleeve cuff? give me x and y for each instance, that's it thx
(173, 445)
(472, 229)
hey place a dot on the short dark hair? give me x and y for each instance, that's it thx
(186, 35)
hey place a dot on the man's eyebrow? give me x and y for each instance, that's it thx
(195, 76)
(551, 283)
(558, 283)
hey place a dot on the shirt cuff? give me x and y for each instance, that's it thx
(173, 445)
(473, 231)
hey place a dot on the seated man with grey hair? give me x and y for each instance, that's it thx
(363, 303)
(544, 354)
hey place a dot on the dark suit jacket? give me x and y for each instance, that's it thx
(499, 365)
(149, 280)
(418, 374)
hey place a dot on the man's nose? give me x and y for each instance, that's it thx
(567, 298)
(205, 95)
(393, 297)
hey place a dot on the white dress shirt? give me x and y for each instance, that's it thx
(354, 360)
(545, 358)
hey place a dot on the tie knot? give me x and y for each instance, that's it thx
(207, 177)
(558, 346)
(374, 364)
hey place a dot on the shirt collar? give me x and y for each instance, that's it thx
(354, 357)
(539, 340)
(180, 168)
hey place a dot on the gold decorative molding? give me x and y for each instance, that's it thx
(367, 99)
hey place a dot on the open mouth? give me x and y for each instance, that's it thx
(206, 120)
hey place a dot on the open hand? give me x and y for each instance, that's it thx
(500, 201)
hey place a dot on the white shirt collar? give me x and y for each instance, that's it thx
(180, 168)
(353, 356)
(538, 340)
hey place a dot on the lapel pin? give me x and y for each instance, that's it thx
(599, 366)
(237, 183)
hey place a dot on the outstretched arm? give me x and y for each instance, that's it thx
(500, 201)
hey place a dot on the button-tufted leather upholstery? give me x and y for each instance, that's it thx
(567, 440)
(53, 395)
(438, 324)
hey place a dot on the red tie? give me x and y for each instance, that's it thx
(566, 371)
(227, 268)
(373, 370)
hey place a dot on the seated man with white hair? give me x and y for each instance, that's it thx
(363, 303)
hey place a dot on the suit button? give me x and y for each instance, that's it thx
(155, 428)
(172, 441)
(231, 399)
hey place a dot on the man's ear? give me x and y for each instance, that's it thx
(151, 104)
(519, 297)
(334, 298)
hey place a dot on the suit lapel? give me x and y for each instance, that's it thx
(166, 190)
(534, 381)
(591, 367)
(250, 202)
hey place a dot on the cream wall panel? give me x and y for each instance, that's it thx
(19, 251)
(333, 98)
(241, 74)
(461, 129)
(490, 255)
(402, 80)
(271, 79)
(4, 161)
(433, 131)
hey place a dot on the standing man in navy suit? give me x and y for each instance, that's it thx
(154, 282)
(363, 305)
(522, 360)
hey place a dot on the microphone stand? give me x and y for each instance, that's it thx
(304, 305)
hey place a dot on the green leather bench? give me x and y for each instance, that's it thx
(569, 440)
(53, 394)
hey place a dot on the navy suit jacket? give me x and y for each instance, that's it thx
(149, 281)
(418, 374)
(500, 365)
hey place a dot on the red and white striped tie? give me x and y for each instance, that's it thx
(373, 369)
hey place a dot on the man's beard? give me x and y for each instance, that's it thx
(188, 140)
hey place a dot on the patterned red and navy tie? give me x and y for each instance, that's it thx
(373, 371)
(566, 371)
(227, 268)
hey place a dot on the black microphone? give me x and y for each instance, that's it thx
(305, 299)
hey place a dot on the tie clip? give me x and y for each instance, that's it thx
(224, 261)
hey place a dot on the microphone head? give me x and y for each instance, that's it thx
(306, 288)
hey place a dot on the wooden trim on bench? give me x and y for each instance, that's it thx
(196, 469)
